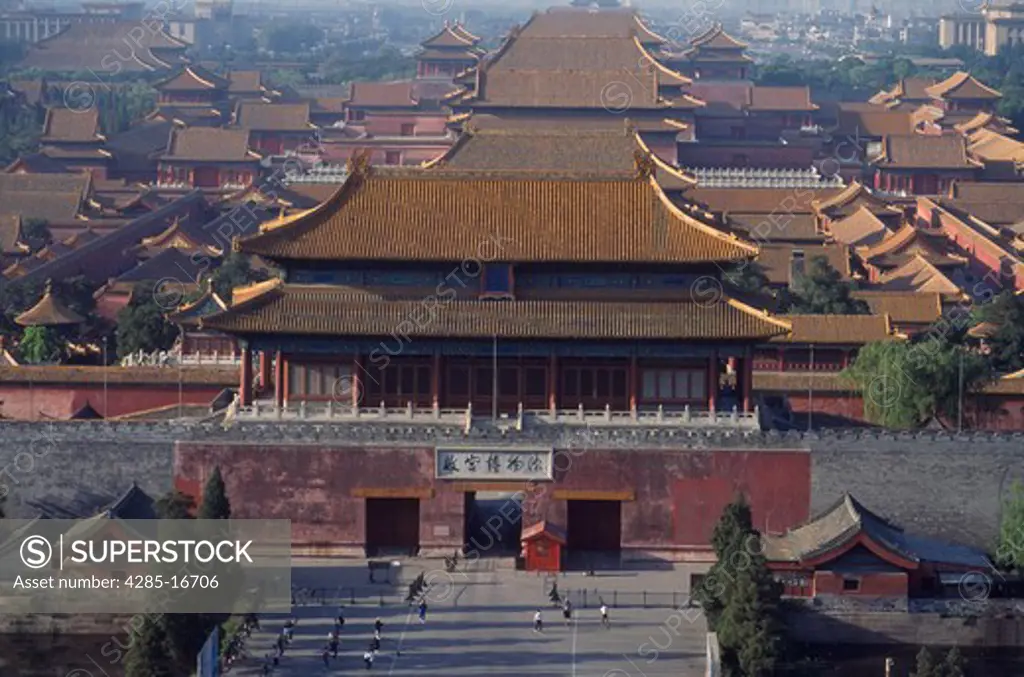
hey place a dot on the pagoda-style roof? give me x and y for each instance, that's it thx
(852, 330)
(278, 117)
(187, 115)
(246, 82)
(93, 45)
(177, 237)
(193, 78)
(852, 198)
(895, 249)
(325, 310)
(134, 504)
(530, 85)
(848, 524)
(69, 125)
(903, 307)
(912, 89)
(209, 144)
(556, 149)
(189, 314)
(716, 46)
(167, 264)
(55, 198)
(564, 22)
(49, 311)
(460, 29)
(919, 151)
(994, 147)
(962, 86)
(574, 59)
(441, 215)
(449, 37)
(716, 38)
(919, 275)
(860, 229)
(984, 120)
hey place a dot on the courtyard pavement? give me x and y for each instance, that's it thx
(479, 622)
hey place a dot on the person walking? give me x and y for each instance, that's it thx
(378, 626)
(339, 623)
(326, 656)
(423, 611)
(567, 612)
(375, 645)
(607, 624)
(538, 622)
(368, 659)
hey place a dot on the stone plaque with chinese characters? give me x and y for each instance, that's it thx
(468, 463)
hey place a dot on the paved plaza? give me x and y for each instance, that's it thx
(480, 623)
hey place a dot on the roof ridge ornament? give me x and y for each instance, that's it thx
(359, 163)
(644, 164)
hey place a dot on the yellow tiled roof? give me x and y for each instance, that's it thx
(440, 215)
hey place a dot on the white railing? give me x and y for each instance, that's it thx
(213, 358)
(659, 417)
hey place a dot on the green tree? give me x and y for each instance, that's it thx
(149, 655)
(1006, 312)
(175, 505)
(141, 324)
(747, 277)
(1010, 548)
(41, 345)
(954, 664)
(185, 635)
(215, 504)
(740, 597)
(925, 666)
(291, 37)
(821, 290)
(35, 233)
(235, 271)
(904, 384)
(729, 544)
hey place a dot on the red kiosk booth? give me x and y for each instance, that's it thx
(542, 547)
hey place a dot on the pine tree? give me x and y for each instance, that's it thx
(729, 542)
(954, 664)
(749, 629)
(215, 499)
(821, 290)
(149, 655)
(925, 664)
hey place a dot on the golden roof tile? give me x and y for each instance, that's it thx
(441, 215)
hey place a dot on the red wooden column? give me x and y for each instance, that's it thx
(748, 378)
(553, 382)
(264, 370)
(435, 380)
(279, 378)
(245, 385)
(357, 380)
(713, 380)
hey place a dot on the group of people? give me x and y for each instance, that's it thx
(538, 617)
(330, 649)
